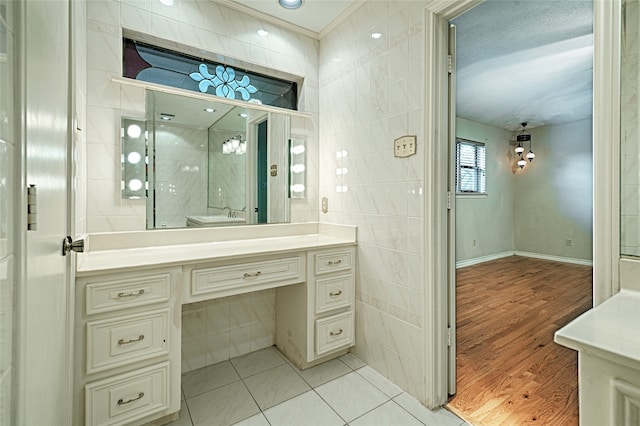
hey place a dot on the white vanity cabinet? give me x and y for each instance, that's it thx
(315, 320)
(127, 343)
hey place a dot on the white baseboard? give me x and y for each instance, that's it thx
(584, 262)
(475, 261)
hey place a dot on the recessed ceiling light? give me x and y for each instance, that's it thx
(263, 33)
(165, 118)
(243, 115)
(167, 2)
(210, 110)
(376, 35)
(290, 4)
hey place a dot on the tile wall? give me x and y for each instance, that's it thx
(630, 137)
(200, 25)
(219, 330)
(181, 174)
(371, 93)
(226, 174)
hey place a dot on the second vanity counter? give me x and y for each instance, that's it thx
(131, 287)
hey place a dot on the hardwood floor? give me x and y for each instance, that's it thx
(510, 372)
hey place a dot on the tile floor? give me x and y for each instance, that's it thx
(263, 389)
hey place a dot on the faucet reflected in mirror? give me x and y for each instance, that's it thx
(185, 169)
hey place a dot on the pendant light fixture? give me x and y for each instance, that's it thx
(523, 137)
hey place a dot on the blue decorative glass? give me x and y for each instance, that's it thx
(156, 65)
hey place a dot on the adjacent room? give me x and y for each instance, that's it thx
(524, 199)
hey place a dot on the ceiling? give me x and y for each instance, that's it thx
(525, 61)
(517, 61)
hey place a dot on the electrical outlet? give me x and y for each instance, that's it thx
(569, 242)
(404, 146)
(325, 204)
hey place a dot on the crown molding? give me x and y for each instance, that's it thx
(268, 18)
(344, 15)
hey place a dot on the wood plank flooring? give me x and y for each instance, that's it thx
(510, 372)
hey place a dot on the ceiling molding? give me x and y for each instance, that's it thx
(344, 15)
(268, 18)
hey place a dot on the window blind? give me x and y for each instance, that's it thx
(470, 167)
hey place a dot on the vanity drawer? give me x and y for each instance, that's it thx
(115, 342)
(111, 295)
(334, 332)
(127, 397)
(338, 260)
(250, 275)
(333, 293)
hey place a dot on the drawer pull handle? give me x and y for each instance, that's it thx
(335, 294)
(123, 402)
(248, 275)
(133, 293)
(126, 342)
(334, 262)
(335, 333)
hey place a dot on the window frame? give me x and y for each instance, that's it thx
(480, 172)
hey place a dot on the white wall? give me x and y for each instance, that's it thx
(553, 199)
(487, 220)
(196, 25)
(371, 92)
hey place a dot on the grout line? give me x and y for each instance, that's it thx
(405, 410)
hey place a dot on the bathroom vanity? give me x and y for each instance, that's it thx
(130, 288)
(607, 339)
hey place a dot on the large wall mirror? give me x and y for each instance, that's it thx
(204, 163)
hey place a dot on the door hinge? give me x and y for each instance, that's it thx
(32, 208)
(69, 245)
(449, 64)
(449, 336)
(449, 200)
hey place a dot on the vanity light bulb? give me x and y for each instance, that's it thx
(519, 149)
(522, 163)
(243, 147)
(134, 157)
(225, 148)
(297, 168)
(297, 188)
(297, 149)
(530, 156)
(134, 131)
(235, 143)
(135, 184)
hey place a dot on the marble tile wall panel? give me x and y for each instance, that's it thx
(630, 135)
(203, 26)
(370, 94)
(227, 173)
(221, 329)
(181, 174)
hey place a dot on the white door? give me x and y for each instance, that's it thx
(451, 217)
(8, 183)
(44, 333)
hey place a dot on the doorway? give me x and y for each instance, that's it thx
(513, 217)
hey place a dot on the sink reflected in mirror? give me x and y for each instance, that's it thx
(208, 163)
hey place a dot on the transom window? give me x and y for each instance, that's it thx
(157, 65)
(471, 177)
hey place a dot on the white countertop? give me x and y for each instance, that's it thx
(119, 251)
(611, 329)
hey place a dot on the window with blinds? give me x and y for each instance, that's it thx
(471, 164)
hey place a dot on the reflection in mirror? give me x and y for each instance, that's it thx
(210, 163)
(630, 136)
(297, 165)
(134, 162)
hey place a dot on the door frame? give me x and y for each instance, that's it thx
(606, 175)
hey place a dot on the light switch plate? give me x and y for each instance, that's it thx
(404, 146)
